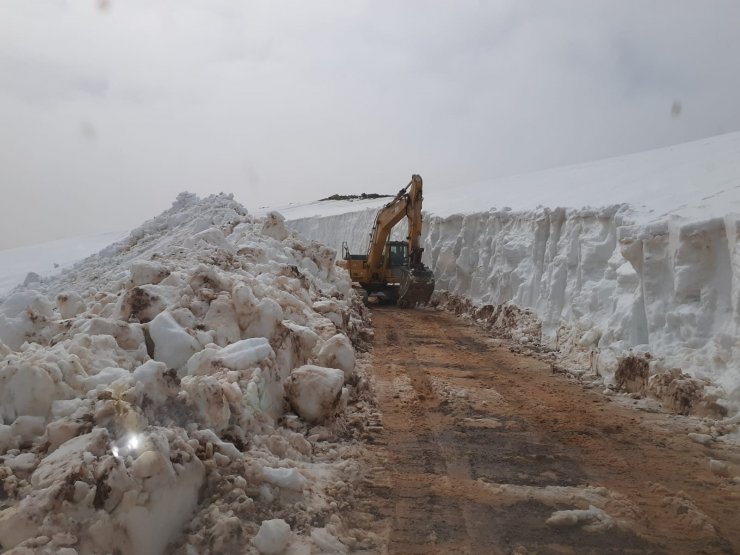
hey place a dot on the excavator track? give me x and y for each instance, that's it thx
(417, 286)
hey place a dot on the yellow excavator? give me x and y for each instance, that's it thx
(392, 271)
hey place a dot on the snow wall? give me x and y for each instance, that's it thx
(602, 285)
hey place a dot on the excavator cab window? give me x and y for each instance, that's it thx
(398, 252)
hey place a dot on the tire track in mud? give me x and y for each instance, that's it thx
(480, 446)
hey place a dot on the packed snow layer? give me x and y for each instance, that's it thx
(603, 281)
(141, 390)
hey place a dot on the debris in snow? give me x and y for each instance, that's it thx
(683, 394)
(505, 320)
(632, 374)
(689, 514)
(702, 439)
(141, 392)
(592, 519)
(720, 468)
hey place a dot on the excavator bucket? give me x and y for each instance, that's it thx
(417, 286)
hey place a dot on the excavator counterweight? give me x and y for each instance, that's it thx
(393, 270)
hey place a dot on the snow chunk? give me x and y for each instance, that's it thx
(222, 319)
(144, 272)
(24, 301)
(7, 439)
(173, 345)
(720, 468)
(106, 377)
(69, 458)
(28, 428)
(245, 353)
(273, 537)
(314, 392)
(212, 236)
(268, 314)
(23, 315)
(288, 478)
(592, 519)
(274, 226)
(65, 407)
(27, 389)
(142, 303)
(337, 352)
(206, 397)
(70, 304)
(128, 336)
(326, 542)
(21, 463)
(151, 377)
(307, 336)
(172, 497)
(224, 447)
(702, 439)
(148, 464)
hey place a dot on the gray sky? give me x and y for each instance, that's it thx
(108, 109)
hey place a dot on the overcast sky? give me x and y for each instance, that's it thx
(108, 109)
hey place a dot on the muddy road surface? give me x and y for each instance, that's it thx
(480, 448)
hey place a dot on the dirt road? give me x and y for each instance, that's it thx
(481, 446)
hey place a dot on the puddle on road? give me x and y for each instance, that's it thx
(508, 454)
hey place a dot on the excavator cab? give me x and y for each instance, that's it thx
(397, 254)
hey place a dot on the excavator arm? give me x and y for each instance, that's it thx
(406, 203)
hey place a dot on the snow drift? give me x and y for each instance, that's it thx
(140, 391)
(659, 274)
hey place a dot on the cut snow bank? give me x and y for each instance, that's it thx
(657, 271)
(140, 391)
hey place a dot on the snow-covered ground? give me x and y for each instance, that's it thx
(180, 392)
(45, 259)
(636, 254)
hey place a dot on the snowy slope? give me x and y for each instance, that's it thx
(632, 254)
(48, 258)
(693, 180)
(158, 396)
